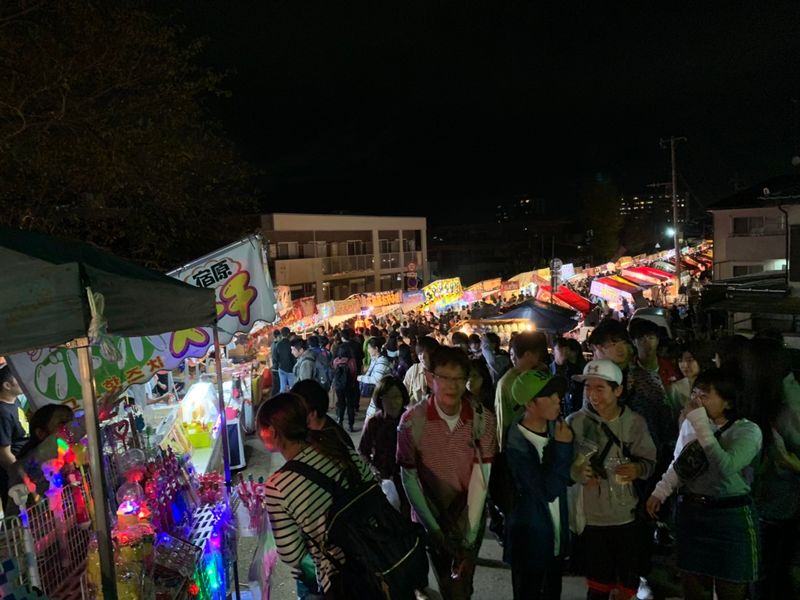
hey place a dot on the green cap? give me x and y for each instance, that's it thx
(536, 384)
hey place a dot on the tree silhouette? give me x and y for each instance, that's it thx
(103, 134)
(601, 212)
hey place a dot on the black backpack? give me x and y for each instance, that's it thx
(342, 377)
(385, 556)
(322, 370)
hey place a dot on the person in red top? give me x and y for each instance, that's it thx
(445, 447)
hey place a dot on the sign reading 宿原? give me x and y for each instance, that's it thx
(244, 296)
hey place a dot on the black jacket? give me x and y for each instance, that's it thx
(286, 359)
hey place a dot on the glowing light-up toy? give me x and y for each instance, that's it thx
(55, 500)
(19, 495)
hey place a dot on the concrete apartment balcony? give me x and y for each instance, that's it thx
(341, 265)
(292, 271)
(392, 261)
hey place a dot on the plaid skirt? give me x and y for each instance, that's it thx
(718, 541)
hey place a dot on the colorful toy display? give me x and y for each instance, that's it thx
(212, 488)
(173, 536)
(254, 497)
(10, 589)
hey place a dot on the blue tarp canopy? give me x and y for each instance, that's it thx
(548, 318)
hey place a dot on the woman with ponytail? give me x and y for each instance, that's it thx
(298, 507)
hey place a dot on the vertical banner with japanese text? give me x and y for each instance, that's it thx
(244, 296)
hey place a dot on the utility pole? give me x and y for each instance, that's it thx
(672, 141)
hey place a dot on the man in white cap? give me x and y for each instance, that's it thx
(614, 449)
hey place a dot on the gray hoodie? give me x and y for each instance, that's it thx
(609, 503)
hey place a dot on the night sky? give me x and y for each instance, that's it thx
(419, 107)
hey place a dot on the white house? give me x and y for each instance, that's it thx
(757, 256)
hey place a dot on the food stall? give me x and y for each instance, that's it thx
(646, 276)
(613, 290)
(531, 315)
(570, 299)
(504, 328)
(141, 514)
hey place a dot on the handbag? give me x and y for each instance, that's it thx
(692, 462)
(366, 389)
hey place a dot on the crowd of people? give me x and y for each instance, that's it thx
(580, 458)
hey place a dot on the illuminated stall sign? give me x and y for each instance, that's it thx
(244, 296)
(445, 291)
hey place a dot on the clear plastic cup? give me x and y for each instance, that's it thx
(620, 489)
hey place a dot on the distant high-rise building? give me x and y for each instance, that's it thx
(652, 207)
(523, 207)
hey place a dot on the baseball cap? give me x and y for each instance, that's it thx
(536, 384)
(601, 369)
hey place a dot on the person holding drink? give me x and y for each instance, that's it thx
(539, 454)
(606, 501)
(712, 470)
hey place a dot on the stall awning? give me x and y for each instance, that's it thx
(660, 273)
(572, 299)
(620, 283)
(44, 301)
(640, 279)
(546, 317)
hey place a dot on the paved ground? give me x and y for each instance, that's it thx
(492, 578)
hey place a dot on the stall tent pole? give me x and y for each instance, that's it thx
(101, 524)
(226, 451)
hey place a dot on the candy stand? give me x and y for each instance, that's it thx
(154, 526)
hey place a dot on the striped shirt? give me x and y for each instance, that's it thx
(298, 510)
(443, 458)
(378, 369)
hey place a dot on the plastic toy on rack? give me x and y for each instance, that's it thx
(212, 488)
(55, 498)
(10, 586)
(253, 496)
(54, 566)
(132, 466)
(213, 531)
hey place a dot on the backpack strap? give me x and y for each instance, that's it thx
(328, 484)
(478, 421)
(478, 429)
(418, 422)
(613, 439)
(478, 424)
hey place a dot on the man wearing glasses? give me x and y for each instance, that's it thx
(445, 446)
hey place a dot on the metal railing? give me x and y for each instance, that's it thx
(333, 265)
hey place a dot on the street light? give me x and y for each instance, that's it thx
(670, 231)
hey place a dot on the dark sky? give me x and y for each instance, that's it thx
(419, 107)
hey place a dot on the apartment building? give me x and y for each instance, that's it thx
(750, 229)
(331, 257)
(757, 260)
